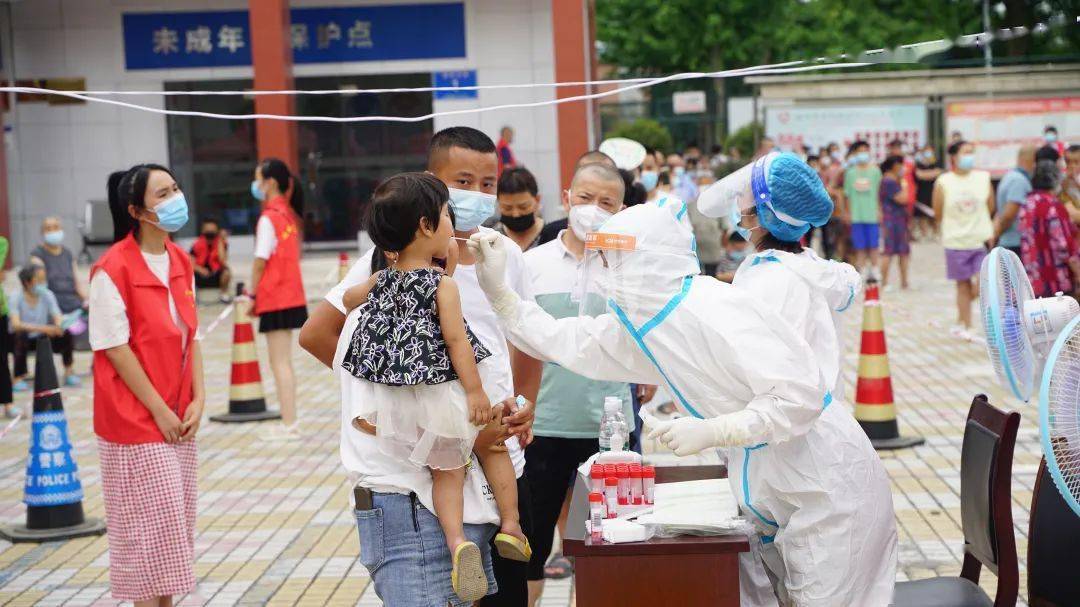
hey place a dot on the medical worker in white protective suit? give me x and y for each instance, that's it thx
(800, 466)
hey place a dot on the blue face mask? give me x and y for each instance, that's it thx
(965, 162)
(736, 217)
(649, 179)
(470, 208)
(679, 171)
(54, 238)
(256, 193)
(738, 254)
(862, 158)
(1050, 137)
(172, 214)
(41, 289)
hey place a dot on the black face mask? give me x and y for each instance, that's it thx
(209, 235)
(518, 224)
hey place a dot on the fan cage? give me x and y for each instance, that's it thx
(1059, 414)
(1005, 289)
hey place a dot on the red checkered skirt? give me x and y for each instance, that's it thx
(150, 493)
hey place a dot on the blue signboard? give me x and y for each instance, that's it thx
(52, 478)
(319, 35)
(455, 78)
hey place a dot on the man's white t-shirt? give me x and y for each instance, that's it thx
(359, 455)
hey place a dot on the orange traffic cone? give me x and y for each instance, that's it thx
(343, 266)
(53, 493)
(874, 406)
(246, 400)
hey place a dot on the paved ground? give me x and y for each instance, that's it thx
(274, 524)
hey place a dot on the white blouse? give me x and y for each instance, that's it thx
(108, 322)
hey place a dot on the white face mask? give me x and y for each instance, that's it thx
(585, 218)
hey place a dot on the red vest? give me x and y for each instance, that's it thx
(281, 286)
(206, 253)
(158, 344)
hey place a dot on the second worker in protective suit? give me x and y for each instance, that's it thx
(800, 467)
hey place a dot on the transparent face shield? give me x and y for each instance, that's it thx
(739, 192)
(608, 273)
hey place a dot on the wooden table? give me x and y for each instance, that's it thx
(685, 571)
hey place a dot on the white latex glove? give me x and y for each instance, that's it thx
(489, 248)
(690, 435)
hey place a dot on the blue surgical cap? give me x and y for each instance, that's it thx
(794, 190)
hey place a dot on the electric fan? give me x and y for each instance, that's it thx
(1026, 338)
(1059, 413)
(1019, 327)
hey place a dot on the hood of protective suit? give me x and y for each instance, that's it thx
(808, 293)
(642, 283)
(838, 282)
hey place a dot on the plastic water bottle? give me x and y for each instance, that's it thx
(613, 429)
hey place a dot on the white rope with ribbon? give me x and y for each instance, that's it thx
(214, 323)
(756, 70)
(10, 425)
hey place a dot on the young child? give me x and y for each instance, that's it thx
(412, 345)
(35, 313)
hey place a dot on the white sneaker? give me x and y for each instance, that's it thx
(960, 332)
(281, 433)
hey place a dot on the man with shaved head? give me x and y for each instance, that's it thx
(392, 496)
(552, 230)
(1011, 194)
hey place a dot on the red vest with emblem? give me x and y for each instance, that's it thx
(162, 350)
(206, 253)
(281, 286)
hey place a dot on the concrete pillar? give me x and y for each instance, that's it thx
(573, 60)
(271, 58)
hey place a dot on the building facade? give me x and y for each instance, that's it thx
(59, 152)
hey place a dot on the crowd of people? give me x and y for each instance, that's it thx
(880, 208)
(460, 337)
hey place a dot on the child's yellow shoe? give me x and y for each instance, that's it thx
(468, 577)
(512, 548)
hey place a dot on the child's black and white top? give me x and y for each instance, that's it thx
(399, 340)
(406, 384)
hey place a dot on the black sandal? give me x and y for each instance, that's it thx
(558, 568)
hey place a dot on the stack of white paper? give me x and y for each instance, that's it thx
(702, 507)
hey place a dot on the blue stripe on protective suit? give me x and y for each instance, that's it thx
(851, 298)
(764, 259)
(765, 539)
(639, 337)
(746, 491)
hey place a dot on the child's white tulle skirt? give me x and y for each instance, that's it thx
(427, 425)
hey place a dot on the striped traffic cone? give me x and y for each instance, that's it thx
(874, 406)
(53, 493)
(246, 401)
(343, 266)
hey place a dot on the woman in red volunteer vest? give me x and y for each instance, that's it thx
(276, 282)
(148, 389)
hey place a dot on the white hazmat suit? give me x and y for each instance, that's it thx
(800, 467)
(809, 294)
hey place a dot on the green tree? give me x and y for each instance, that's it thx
(645, 131)
(664, 36)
